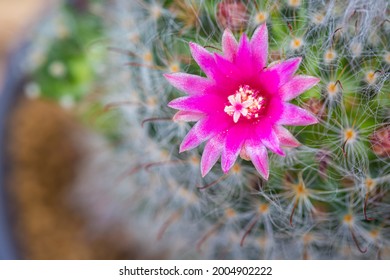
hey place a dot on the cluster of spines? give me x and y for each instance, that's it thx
(325, 199)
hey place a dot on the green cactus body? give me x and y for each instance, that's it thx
(328, 198)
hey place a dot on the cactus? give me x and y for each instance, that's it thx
(328, 198)
(64, 58)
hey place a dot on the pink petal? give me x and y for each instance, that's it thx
(207, 103)
(259, 47)
(269, 81)
(272, 142)
(259, 157)
(236, 116)
(294, 115)
(204, 130)
(211, 153)
(190, 84)
(194, 137)
(296, 86)
(205, 60)
(285, 137)
(235, 138)
(229, 69)
(244, 60)
(286, 69)
(186, 116)
(229, 45)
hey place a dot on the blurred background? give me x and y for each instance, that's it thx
(51, 52)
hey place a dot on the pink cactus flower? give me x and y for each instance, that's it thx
(241, 106)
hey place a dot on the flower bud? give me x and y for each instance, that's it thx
(316, 106)
(232, 14)
(380, 142)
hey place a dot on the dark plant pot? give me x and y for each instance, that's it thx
(13, 81)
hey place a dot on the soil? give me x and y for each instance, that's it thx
(45, 158)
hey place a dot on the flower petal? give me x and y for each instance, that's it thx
(296, 86)
(228, 68)
(294, 115)
(269, 81)
(272, 142)
(229, 45)
(205, 60)
(259, 157)
(190, 84)
(285, 137)
(259, 47)
(194, 137)
(236, 116)
(244, 60)
(211, 153)
(235, 138)
(286, 69)
(207, 103)
(204, 130)
(186, 116)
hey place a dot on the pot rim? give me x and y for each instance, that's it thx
(13, 79)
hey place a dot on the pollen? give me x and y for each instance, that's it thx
(263, 208)
(300, 189)
(148, 57)
(318, 18)
(246, 102)
(370, 77)
(348, 219)
(230, 213)
(350, 135)
(330, 55)
(187, 196)
(307, 238)
(261, 17)
(296, 43)
(262, 241)
(155, 12)
(174, 67)
(194, 160)
(332, 89)
(134, 38)
(236, 168)
(370, 183)
(374, 234)
(294, 3)
(356, 49)
(152, 102)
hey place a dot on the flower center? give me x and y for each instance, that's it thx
(245, 102)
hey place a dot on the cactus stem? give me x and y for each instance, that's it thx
(290, 28)
(342, 71)
(155, 119)
(363, 251)
(146, 166)
(383, 22)
(153, 164)
(334, 34)
(293, 211)
(365, 208)
(250, 226)
(212, 47)
(213, 183)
